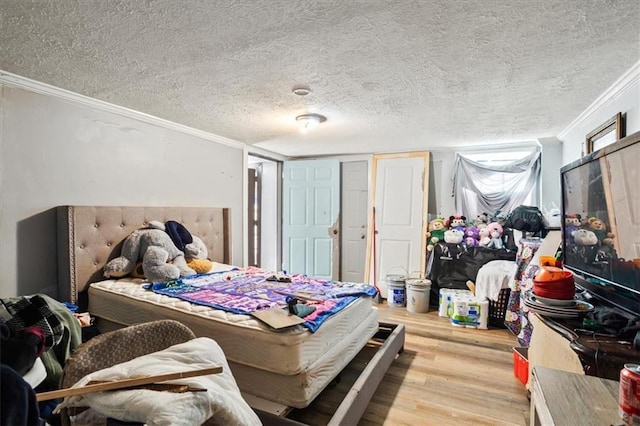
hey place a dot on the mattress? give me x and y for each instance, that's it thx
(300, 389)
(245, 340)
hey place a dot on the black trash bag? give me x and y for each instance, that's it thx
(526, 219)
(452, 265)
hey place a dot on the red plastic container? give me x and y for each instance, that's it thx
(554, 283)
(521, 364)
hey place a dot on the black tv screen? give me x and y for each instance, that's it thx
(601, 227)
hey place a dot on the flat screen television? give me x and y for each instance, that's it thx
(601, 226)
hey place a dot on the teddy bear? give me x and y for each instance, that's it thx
(161, 259)
(598, 227)
(495, 236)
(471, 234)
(453, 236)
(435, 232)
(584, 237)
(484, 236)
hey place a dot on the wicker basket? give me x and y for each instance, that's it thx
(498, 308)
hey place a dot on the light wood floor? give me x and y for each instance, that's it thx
(446, 376)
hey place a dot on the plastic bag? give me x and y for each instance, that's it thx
(552, 216)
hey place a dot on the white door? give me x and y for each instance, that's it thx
(311, 201)
(354, 218)
(400, 201)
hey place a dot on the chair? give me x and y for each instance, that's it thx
(115, 347)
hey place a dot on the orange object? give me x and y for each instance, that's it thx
(547, 261)
(551, 273)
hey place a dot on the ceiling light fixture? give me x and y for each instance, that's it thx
(309, 121)
(301, 90)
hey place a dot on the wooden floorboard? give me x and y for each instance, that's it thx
(446, 376)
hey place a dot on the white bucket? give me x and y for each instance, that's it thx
(396, 296)
(418, 291)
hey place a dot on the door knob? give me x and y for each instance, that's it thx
(362, 237)
(335, 232)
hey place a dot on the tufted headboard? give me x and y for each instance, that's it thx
(90, 236)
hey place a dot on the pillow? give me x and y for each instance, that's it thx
(220, 267)
(222, 402)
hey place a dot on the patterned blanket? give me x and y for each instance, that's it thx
(247, 290)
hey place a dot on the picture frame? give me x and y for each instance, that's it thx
(605, 134)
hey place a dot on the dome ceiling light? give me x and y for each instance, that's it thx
(309, 121)
(301, 90)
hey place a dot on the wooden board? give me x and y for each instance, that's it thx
(277, 318)
(125, 383)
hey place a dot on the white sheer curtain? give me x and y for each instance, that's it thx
(480, 188)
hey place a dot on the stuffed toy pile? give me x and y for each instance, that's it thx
(164, 251)
(586, 231)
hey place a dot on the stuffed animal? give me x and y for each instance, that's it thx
(470, 242)
(599, 228)
(196, 254)
(161, 259)
(584, 237)
(495, 236)
(457, 222)
(571, 224)
(500, 217)
(483, 236)
(471, 232)
(194, 249)
(436, 232)
(482, 220)
(453, 236)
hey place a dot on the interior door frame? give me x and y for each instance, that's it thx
(277, 242)
(372, 203)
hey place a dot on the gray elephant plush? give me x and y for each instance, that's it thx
(161, 259)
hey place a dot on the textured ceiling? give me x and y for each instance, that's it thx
(388, 75)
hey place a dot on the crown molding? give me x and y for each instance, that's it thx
(264, 153)
(620, 86)
(14, 80)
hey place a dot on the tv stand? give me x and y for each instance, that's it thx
(555, 343)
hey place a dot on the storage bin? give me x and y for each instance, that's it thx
(498, 308)
(521, 364)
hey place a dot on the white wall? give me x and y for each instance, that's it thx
(441, 201)
(271, 228)
(550, 175)
(56, 151)
(623, 96)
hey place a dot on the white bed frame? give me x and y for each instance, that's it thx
(89, 236)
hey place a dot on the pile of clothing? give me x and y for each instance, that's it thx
(32, 327)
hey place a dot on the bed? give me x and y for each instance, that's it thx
(289, 367)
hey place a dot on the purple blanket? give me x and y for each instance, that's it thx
(248, 290)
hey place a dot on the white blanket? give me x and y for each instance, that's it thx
(494, 276)
(222, 402)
